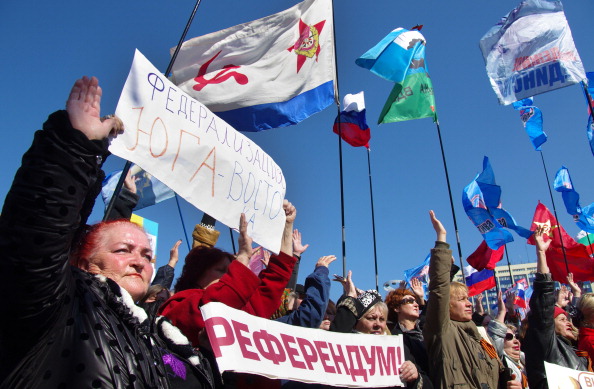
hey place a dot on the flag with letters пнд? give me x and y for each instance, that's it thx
(268, 73)
(531, 51)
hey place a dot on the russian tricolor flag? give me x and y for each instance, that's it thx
(480, 281)
(352, 122)
(520, 288)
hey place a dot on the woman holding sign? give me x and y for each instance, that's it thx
(364, 312)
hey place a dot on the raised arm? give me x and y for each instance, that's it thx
(438, 314)
(50, 198)
(541, 250)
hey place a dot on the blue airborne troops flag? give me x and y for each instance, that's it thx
(531, 51)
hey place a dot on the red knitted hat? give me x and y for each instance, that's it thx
(559, 311)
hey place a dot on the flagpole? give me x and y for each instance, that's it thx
(589, 101)
(232, 240)
(511, 276)
(337, 100)
(128, 164)
(554, 210)
(182, 222)
(372, 219)
(445, 166)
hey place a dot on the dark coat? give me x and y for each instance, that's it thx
(541, 343)
(63, 327)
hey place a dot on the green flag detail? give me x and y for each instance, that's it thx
(411, 99)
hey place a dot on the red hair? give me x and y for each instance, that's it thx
(394, 299)
(91, 238)
(199, 260)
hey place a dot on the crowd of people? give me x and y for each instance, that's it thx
(82, 312)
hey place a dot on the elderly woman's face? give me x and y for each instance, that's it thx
(511, 345)
(124, 255)
(372, 322)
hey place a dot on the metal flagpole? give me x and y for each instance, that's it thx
(511, 276)
(554, 209)
(445, 166)
(182, 221)
(589, 101)
(372, 219)
(337, 100)
(128, 164)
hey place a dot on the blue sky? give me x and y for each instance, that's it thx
(47, 45)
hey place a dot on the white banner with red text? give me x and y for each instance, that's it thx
(563, 377)
(249, 344)
(198, 155)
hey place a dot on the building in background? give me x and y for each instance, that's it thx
(504, 280)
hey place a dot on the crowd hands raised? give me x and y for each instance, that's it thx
(84, 312)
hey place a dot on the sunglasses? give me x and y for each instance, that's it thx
(407, 301)
(509, 336)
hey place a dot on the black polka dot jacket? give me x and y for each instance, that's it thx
(62, 327)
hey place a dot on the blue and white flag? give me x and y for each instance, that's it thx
(421, 272)
(476, 209)
(583, 217)
(492, 197)
(399, 54)
(268, 73)
(149, 190)
(531, 51)
(532, 119)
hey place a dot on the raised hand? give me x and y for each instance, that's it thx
(174, 253)
(575, 288)
(84, 107)
(440, 231)
(245, 242)
(130, 182)
(417, 287)
(298, 247)
(541, 244)
(348, 285)
(326, 260)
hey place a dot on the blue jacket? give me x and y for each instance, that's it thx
(313, 307)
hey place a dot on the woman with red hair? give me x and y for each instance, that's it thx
(77, 326)
(404, 313)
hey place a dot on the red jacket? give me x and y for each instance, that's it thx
(239, 288)
(586, 341)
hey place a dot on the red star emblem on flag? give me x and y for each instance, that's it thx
(308, 43)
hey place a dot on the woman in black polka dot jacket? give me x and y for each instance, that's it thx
(66, 326)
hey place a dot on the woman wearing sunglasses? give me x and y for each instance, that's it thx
(406, 315)
(506, 341)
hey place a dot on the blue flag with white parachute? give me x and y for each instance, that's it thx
(492, 197)
(399, 54)
(476, 209)
(532, 118)
(583, 217)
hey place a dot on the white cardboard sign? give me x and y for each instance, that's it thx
(198, 155)
(249, 344)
